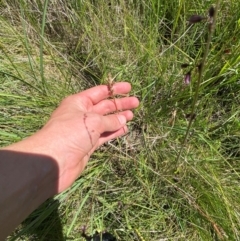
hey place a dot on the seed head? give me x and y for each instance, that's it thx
(195, 19)
(183, 66)
(211, 12)
(199, 66)
(190, 116)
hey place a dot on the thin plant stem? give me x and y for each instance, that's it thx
(26, 41)
(42, 44)
(200, 77)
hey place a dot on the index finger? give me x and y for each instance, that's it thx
(101, 92)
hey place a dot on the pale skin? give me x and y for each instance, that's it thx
(49, 161)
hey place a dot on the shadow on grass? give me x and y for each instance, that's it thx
(45, 224)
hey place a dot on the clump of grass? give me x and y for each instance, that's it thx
(132, 185)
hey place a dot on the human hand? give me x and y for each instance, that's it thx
(81, 124)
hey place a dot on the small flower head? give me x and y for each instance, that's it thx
(187, 78)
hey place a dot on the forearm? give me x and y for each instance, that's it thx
(27, 180)
(49, 161)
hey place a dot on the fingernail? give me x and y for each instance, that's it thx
(122, 119)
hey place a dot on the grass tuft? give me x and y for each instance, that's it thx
(133, 187)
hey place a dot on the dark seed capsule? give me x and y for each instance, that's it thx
(195, 19)
(199, 66)
(227, 51)
(184, 66)
(191, 116)
(211, 12)
(99, 237)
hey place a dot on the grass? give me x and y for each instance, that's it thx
(133, 185)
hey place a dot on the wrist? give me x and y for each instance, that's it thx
(35, 166)
(65, 165)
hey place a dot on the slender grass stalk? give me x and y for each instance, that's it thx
(77, 213)
(42, 45)
(200, 77)
(21, 79)
(15, 68)
(26, 42)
